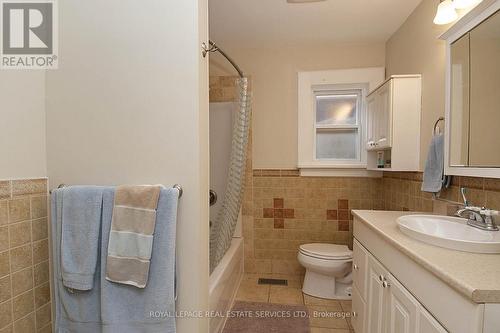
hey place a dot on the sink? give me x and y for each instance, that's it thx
(449, 232)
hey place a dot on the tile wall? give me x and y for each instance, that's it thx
(402, 192)
(24, 257)
(290, 210)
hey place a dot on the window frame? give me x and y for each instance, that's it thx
(310, 83)
(360, 92)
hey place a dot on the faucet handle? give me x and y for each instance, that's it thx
(463, 191)
(489, 212)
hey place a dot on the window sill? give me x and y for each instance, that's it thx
(339, 171)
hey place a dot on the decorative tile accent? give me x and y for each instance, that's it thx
(24, 265)
(343, 225)
(279, 213)
(343, 204)
(343, 214)
(278, 203)
(331, 214)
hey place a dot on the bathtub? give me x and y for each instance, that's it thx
(224, 282)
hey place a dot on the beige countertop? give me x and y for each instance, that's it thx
(475, 275)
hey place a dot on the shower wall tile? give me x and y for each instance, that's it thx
(24, 266)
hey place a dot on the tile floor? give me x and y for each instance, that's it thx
(321, 310)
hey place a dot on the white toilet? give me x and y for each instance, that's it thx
(328, 270)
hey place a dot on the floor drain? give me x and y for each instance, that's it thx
(276, 282)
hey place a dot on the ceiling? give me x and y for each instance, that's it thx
(276, 23)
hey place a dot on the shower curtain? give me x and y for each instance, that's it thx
(222, 230)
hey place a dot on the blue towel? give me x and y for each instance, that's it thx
(434, 166)
(111, 307)
(81, 226)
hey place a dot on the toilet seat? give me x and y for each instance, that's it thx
(326, 251)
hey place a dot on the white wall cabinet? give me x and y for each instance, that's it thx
(387, 306)
(393, 123)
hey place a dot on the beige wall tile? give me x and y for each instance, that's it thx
(5, 313)
(46, 329)
(5, 189)
(42, 294)
(22, 305)
(40, 251)
(21, 257)
(39, 229)
(4, 238)
(5, 289)
(19, 210)
(4, 216)
(4, 263)
(41, 273)
(29, 186)
(43, 316)
(22, 281)
(25, 325)
(19, 233)
(7, 329)
(39, 207)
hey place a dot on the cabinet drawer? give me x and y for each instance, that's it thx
(359, 264)
(358, 311)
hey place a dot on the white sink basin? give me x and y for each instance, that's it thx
(449, 232)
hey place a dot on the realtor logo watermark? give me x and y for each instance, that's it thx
(28, 34)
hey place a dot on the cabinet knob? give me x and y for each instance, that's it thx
(386, 284)
(381, 277)
(355, 267)
(354, 314)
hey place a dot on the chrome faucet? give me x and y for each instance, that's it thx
(479, 217)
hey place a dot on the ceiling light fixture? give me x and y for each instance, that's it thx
(462, 4)
(446, 13)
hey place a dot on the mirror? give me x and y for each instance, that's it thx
(475, 97)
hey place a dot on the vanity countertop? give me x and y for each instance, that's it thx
(475, 275)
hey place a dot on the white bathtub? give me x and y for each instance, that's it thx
(224, 282)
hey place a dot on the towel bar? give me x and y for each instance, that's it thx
(436, 129)
(177, 186)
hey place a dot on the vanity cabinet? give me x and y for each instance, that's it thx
(387, 306)
(393, 124)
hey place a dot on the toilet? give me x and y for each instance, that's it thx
(328, 270)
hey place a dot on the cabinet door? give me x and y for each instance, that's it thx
(427, 323)
(371, 116)
(359, 263)
(402, 308)
(375, 297)
(384, 116)
(358, 311)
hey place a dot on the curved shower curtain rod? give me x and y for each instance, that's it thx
(214, 48)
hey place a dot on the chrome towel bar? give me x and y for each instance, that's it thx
(176, 186)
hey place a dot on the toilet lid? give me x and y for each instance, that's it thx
(326, 251)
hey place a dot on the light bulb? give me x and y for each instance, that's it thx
(446, 13)
(462, 4)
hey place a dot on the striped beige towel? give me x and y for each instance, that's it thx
(131, 236)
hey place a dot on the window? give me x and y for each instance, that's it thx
(338, 124)
(332, 119)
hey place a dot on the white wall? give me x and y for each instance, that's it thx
(274, 88)
(22, 124)
(129, 104)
